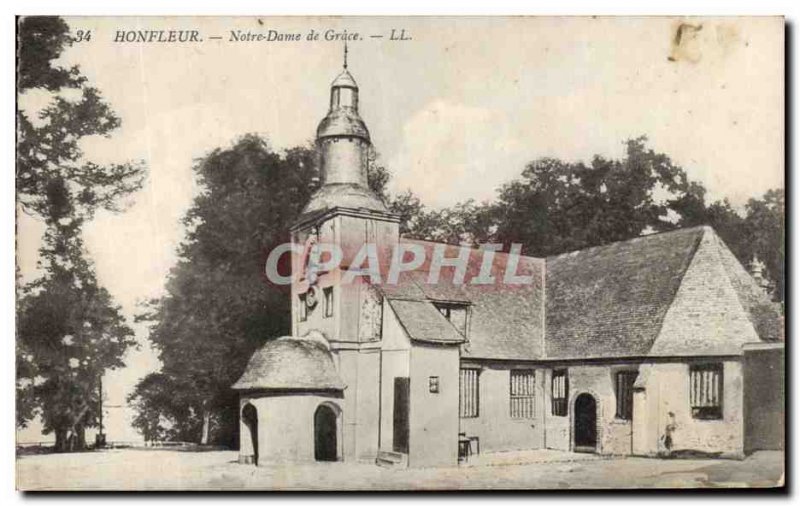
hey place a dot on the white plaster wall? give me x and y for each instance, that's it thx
(395, 363)
(367, 405)
(286, 427)
(433, 420)
(494, 427)
(347, 362)
(245, 436)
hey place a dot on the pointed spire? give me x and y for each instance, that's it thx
(345, 54)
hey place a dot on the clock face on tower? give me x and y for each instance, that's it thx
(312, 297)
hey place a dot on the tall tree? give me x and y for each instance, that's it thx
(50, 167)
(69, 331)
(765, 235)
(559, 206)
(218, 308)
(164, 409)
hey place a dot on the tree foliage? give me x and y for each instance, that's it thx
(69, 333)
(162, 411)
(557, 206)
(765, 236)
(69, 329)
(50, 168)
(218, 308)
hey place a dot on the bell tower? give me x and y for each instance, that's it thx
(346, 217)
(342, 137)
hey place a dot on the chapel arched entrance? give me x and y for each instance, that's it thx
(585, 423)
(325, 434)
(250, 419)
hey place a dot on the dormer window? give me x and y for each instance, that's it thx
(457, 314)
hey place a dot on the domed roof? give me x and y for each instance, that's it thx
(342, 122)
(291, 363)
(348, 195)
(345, 80)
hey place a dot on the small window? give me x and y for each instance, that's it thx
(560, 392)
(624, 388)
(328, 296)
(456, 314)
(522, 393)
(433, 384)
(468, 397)
(302, 309)
(705, 391)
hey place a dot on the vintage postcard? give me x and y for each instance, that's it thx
(399, 253)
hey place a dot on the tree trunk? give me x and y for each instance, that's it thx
(77, 433)
(61, 441)
(206, 424)
(79, 442)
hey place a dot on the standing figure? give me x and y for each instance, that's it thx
(669, 430)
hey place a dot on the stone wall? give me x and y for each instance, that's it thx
(613, 434)
(664, 388)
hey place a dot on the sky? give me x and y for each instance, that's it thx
(455, 111)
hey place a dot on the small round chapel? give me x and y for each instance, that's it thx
(290, 389)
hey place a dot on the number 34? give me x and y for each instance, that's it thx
(83, 36)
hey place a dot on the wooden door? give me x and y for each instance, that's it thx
(401, 408)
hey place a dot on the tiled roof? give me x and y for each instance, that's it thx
(350, 195)
(604, 302)
(610, 301)
(291, 363)
(506, 320)
(423, 322)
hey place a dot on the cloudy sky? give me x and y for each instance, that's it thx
(454, 112)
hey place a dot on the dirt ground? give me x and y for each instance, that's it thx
(140, 469)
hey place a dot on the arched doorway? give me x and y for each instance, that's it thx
(325, 437)
(585, 420)
(250, 419)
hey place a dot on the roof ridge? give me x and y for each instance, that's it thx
(472, 248)
(631, 240)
